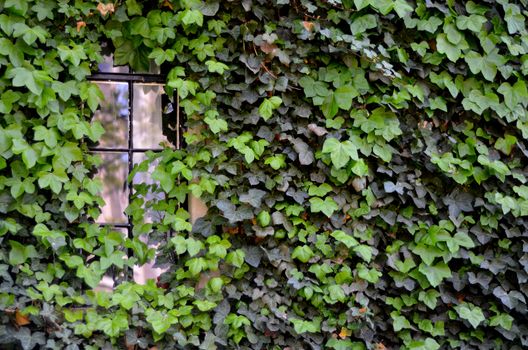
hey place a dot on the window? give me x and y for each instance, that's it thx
(137, 117)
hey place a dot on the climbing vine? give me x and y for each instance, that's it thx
(363, 163)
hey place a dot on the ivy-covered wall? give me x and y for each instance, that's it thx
(364, 163)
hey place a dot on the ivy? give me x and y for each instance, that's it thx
(362, 161)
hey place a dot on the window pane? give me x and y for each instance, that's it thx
(147, 119)
(146, 179)
(113, 115)
(107, 66)
(113, 174)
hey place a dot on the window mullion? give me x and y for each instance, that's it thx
(130, 226)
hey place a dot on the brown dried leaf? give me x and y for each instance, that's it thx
(104, 9)
(80, 24)
(167, 3)
(21, 319)
(308, 25)
(268, 48)
(345, 333)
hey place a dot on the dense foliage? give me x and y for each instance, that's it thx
(363, 161)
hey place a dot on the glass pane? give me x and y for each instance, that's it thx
(113, 173)
(113, 115)
(145, 178)
(107, 66)
(147, 119)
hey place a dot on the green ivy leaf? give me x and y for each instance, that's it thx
(220, 68)
(452, 51)
(399, 322)
(20, 253)
(236, 258)
(302, 326)
(472, 22)
(340, 152)
(363, 23)
(327, 206)
(435, 274)
(24, 77)
(267, 106)
(503, 320)
(91, 94)
(302, 253)
(471, 313)
(344, 95)
(514, 19)
(344, 238)
(215, 124)
(192, 17)
(429, 298)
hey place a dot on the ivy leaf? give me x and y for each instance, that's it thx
(113, 326)
(327, 206)
(276, 162)
(306, 156)
(267, 106)
(478, 63)
(340, 152)
(330, 106)
(218, 67)
(192, 17)
(429, 298)
(430, 25)
(473, 22)
(253, 197)
(336, 293)
(503, 320)
(140, 26)
(452, 51)
(435, 273)
(236, 258)
(363, 23)
(29, 157)
(133, 8)
(194, 246)
(302, 253)
(452, 34)
(65, 90)
(344, 238)
(364, 251)
(471, 313)
(344, 96)
(24, 77)
(29, 34)
(399, 322)
(402, 8)
(196, 265)
(320, 190)
(361, 4)
(18, 7)
(74, 54)
(215, 124)
(20, 253)
(91, 94)
(514, 19)
(513, 95)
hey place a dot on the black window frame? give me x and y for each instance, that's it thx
(130, 150)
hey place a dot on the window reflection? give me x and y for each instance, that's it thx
(147, 121)
(113, 173)
(113, 114)
(107, 66)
